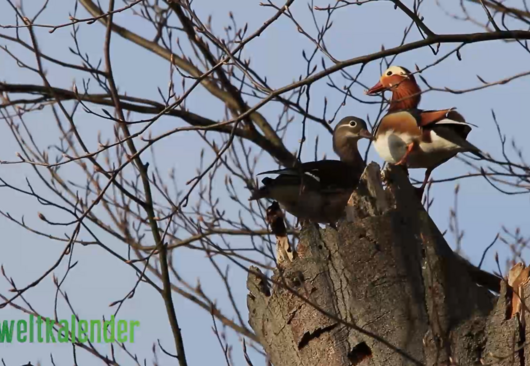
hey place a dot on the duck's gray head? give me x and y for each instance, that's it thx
(346, 134)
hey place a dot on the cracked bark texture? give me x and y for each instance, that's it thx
(384, 288)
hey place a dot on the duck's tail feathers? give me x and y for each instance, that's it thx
(469, 147)
(478, 153)
(457, 139)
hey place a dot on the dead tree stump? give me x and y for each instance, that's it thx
(384, 289)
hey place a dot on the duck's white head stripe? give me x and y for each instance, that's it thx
(396, 70)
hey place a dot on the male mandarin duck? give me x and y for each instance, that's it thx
(412, 137)
(318, 191)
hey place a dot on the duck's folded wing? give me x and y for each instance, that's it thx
(449, 133)
(443, 116)
(335, 175)
(446, 117)
(292, 177)
(314, 169)
(429, 118)
(324, 174)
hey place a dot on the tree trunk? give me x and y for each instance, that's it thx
(384, 288)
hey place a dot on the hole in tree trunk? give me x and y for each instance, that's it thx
(359, 353)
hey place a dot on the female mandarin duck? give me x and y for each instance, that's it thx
(318, 191)
(413, 137)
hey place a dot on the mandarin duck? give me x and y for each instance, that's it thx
(318, 191)
(416, 138)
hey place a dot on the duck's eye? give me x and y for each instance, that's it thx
(353, 123)
(389, 73)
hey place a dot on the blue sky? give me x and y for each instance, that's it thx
(98, 279)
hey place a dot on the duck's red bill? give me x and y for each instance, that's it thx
(377, 88)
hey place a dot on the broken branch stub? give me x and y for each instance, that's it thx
(275, 219)
(384, 288)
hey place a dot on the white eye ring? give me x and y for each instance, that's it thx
(353, 123)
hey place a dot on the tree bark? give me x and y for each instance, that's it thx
(384, 288)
